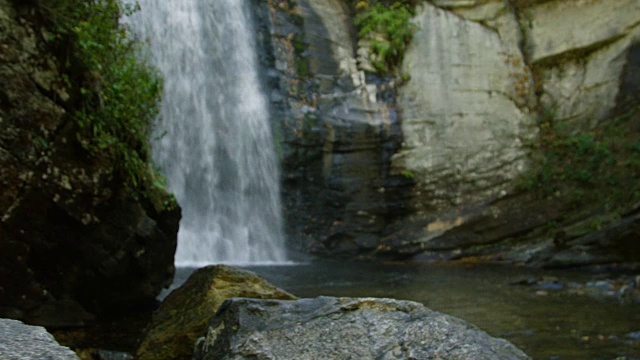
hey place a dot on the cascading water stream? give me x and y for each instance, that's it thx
(214, 138)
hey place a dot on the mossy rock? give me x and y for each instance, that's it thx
(184, 315)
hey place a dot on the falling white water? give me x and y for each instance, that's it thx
(215, 144)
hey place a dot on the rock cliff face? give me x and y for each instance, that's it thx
(465, 110)
(498, 67)
(338, 130)
(377, 166)
(73, 242)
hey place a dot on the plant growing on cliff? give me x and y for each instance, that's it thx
(117, 92)
(600, 166)
(388, 29)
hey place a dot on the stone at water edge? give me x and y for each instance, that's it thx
(344, 328)
(25, 342)
(184, 314)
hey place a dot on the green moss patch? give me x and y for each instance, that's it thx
(387, 27)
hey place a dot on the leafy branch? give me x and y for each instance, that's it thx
(388, 29)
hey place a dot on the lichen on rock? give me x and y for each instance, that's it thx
(345, 328)
(184, 314)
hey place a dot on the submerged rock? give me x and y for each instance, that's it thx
(19, 341)
(344, 328)
(184, 314)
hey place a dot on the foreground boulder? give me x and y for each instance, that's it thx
(344, 328)
(19, 341)
(183, 316)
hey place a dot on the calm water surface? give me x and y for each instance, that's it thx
(549, 324)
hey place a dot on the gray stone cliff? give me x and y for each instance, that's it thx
(377, 166)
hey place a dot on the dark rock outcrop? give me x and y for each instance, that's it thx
(337, 130)
(184, 314)
(73, 242)
(24, 342)
(344, 328)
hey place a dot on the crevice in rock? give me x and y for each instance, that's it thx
(51, 95)
(9, 153)
(484, 23)
(630, 79)
(523, 45)
(22, 190)
(576, 53)
(505, 95)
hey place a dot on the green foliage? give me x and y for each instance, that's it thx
(388, 29)
(408, 174)
(601, 166)
(301, 63)
(118, 92)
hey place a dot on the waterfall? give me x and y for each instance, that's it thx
(213, 138)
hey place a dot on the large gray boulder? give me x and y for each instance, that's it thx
(344, 328)
(19, 341)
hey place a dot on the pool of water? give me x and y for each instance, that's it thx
(546, 322)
